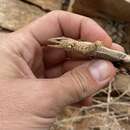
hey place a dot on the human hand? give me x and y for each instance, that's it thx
(37, 82)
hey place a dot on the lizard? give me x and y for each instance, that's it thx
(91, 49)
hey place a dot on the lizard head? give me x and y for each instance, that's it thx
(61, 42)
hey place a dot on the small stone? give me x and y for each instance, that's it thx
(47, 4)
(14, 14)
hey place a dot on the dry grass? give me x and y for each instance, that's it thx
(108, 112)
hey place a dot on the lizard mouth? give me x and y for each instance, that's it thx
(55, 42)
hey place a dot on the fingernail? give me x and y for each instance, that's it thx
(100, 70)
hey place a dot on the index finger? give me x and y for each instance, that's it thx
(59, 23)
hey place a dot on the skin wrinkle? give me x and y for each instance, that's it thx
(69, 20)
(80, 28)
(37, 49)
(35, 38)
(30, 57)
(17, 67)
(78, 80)
(61, 29)
(60, 25)
(23, 47)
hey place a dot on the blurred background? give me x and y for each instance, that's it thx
(114, 17)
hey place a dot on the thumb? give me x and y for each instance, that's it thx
(83, 81)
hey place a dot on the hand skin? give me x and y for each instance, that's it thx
(37, 82)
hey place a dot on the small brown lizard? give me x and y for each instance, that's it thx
(92, 49)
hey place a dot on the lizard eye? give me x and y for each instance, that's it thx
(70, 46)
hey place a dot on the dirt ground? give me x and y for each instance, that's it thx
(111, 106)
